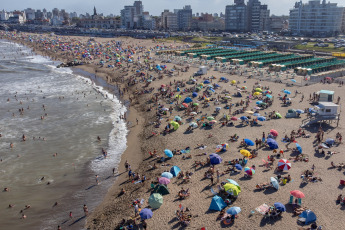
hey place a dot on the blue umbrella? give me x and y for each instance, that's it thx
(299, 111)
(222, 78)
(287, 92)
(269, 96)
(256, 114)
(215, 159)
(188, 100)
(259, 102)
(244, 118)
(216, 85)
(299, 148)
(261, 118)
(272, 143)
(274, 183)
(293, 80)
(309, 216)
(249, 142)
(175, 171)
(280, 206)
(167, 175)
(233, 210)
(238, 166)
(330, 141)
(207, 82)
(168, 153)
(194, 94)
(146, 214)
(233, 182)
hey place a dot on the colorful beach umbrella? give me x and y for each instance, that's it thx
(185, 105)
(297, 194)
(193, 125)
(234, 183)
(284, 164)
(249, 171)
(164, 180)
(215, 159)
(234, 118)
(274, 132)
(299, 148)
(245, 153)
(232, 189)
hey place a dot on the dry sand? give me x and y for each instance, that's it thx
(320, 196)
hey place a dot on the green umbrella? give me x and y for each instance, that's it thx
(210, 118)
(196, 104)
(156, 200)
(278, 115)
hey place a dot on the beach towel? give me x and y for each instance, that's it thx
(263, 209)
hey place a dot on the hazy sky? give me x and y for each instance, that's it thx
(155, 7)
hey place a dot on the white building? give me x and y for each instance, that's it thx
(316, 18)
(131, 16)
(169, 20)
(4, 16)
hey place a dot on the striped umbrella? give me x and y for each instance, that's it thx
(249, 171)
(284, 164)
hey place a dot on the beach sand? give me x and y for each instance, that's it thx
(320, 197)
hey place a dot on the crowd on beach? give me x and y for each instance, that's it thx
(178, 107)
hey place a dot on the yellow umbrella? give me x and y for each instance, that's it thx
(232, 188)
(257, 94)
(245, 153)
(233, 82)
(178, 96)
(258, 90)
(207, 99)
(250, 112)
(175, 124)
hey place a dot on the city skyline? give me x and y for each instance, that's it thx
(155, 7)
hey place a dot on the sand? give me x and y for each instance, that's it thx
(320, 196)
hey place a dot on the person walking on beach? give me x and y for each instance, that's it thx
(126, 165)
(86, 210)
(70, 215)
(97, 182)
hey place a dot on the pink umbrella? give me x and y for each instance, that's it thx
(185, 105)
(234, 118)
(297, 194)
(284, 164)
(274, 132)
(164, 180)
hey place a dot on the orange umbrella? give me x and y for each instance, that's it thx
(185, 105)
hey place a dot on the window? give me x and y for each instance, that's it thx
(328, 110)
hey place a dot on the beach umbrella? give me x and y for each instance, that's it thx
(329, 141)
(188, 100)
(274, 132)
(177, 118)
(193, 125)
(261, 118)
(238, 166)
(256, 94)
(175, 171)
(210, 118)
(308, 216)
(167, 175)
(234, 118)
(156, 200)
(233, 82)
(272, 143)
(275, 183)
(244, 87)
(218, 108)
(207, 82)
(287, 91)
(299, 111)
(256, 114)
(195, 104)
(146, 214)
(249, 171)
(278, 115)
(243, 118)
(194, 94)
(259, 102)
(193, 113)
(213, 122)
(249, 142)
(185, 105)
(279, 206)
(293, 80)
(227, 97)
(249, 112)
(232, 189)
(297, 194)
(215, 159)
(233, 210)
(245, 153)
(258, 90)
(233, 182)
(175, 124)
(164, 180)
(269, 96)
(299, 148)
(168, 153)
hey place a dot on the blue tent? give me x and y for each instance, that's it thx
(272, 143)
(188, 100)
(175, 171)
(195, 94)
(217, 203)
(309, 216)
(215, 159)
(207, 82)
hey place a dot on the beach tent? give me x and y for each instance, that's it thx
(307, 217)
(161, 189)
(175, 171)
(188, 100)
(156, 200)
(217, 203)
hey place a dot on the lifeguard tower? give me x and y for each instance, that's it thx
(324, 111)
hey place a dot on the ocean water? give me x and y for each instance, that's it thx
(75, 110)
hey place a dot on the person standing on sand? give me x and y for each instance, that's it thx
(70, 215)
(86, 210)
(97, 182)
(126, 165)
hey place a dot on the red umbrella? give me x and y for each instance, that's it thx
(234, 118)
(284, 164)
(185, 105)
(297, 194)
(274, 132)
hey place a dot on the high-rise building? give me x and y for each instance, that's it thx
(184, 18)
(316, 18)
(169, 20)
(258, 16)
(132, 16)
(30, 14)
(236, 19)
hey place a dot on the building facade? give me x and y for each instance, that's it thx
(169, 20)
(278, 23)
(236, 17)
(316, 18)
(132, 16)
(258, 16)
(184, 18)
